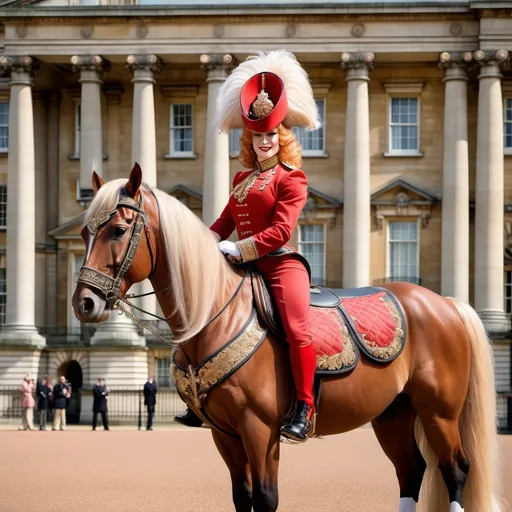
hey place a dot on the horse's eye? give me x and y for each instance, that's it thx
(119, 232)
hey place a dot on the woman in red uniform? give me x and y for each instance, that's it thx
(273, 94)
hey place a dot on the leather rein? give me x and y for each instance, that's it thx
(109, 286)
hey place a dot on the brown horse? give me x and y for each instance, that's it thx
(432, 408)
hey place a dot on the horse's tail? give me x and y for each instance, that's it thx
(477, 426)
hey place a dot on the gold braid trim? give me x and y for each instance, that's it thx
(248, 249)
(195, 385)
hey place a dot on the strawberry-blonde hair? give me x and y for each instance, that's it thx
(289, 148)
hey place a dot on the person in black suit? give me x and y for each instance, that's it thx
(44, 396)
(150, 392)
(100, 393)
(61, 393)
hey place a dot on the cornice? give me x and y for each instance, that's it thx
(159, 15)
(495, 13)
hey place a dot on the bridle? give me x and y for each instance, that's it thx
(109, 286)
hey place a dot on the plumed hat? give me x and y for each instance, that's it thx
(264, 91)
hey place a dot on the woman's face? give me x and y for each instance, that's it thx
(265, 145)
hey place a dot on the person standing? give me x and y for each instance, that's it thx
(27, 403)
(150, 391)
(44, 396)
(100, 393)
(60, 394)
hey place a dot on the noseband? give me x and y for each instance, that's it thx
(109, 286)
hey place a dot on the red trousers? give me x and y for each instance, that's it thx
(288, 282)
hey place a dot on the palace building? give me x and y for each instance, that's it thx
(410, 174)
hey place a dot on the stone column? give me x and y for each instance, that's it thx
(52, 206)
(91, 68)
(216, 183)
(118, 330)
(122, 354)
(455, 219)
(143, 120)
(356, 173)
(489, 240)
(20, 316)
(144, 139)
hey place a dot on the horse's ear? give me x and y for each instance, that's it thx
(97, 181)
(135, 181)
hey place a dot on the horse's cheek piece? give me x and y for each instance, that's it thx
(109, 286)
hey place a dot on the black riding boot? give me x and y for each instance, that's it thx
(189, 419)
(298, 428)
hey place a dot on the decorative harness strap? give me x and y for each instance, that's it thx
(196, 383)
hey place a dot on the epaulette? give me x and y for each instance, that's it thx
(288, 167)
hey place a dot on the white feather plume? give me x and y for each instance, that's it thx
(302, 109)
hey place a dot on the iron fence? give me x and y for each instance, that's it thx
(125, 405)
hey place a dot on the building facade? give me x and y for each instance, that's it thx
(410, 174)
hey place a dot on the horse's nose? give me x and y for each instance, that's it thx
(87, 305)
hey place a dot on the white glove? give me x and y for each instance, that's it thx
(230, 248)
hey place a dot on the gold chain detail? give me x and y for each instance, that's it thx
(241, 191)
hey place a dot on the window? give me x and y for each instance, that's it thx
(163, 372)
(3, 294)
(4, 127)
(507, 131)
(181, 135)
(78, 124)
(312, 247)
(403, 259)
(508, 291)
(3, 206)
(404, 126)
(234, 141)
(313, 142)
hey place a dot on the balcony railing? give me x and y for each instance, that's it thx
(399, 279)
(65, 337)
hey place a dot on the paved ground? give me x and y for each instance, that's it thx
(179, 470)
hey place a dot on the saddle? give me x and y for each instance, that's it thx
(343, 324)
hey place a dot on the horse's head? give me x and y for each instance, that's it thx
(118, 245)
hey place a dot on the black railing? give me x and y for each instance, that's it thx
(125, 404)
(399, 279)
(63, 336)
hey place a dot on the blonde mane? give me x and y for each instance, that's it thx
(196, 266)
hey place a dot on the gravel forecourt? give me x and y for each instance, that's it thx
(174, 469)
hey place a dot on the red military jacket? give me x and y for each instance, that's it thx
(264, 207)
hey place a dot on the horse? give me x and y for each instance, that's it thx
(432, 408)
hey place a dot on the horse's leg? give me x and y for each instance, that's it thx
(443, 436)
(394, 429)
(235, 457)
(262, 446)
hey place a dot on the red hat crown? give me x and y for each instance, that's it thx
(263, 102)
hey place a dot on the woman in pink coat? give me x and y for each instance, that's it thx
(27, 403)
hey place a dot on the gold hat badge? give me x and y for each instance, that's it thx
(262, 105)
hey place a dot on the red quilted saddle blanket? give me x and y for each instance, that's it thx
(371, 323)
